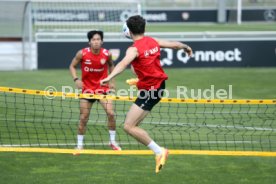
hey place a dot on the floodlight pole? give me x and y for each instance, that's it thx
(239, 12)
(27, 42)
(221, 11)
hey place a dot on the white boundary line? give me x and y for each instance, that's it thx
(167, 123)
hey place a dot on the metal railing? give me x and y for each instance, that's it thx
(187, 36)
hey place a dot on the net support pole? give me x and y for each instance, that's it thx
(239, 12)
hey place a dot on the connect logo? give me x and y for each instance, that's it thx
(200, 56)
(218, 56)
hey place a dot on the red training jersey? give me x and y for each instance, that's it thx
(147, 65)
(94, 68)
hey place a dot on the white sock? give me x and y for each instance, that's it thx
(155, 148)
(80, 141)
(112, 134)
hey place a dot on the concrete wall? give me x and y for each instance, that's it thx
(11, 57)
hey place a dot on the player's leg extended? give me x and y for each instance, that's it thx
(108, 107)
(85, 107)
(134, 116)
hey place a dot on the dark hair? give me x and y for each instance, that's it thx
(90, 34)
(136, 24)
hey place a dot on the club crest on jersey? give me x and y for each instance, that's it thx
(88, 62)
(102, 61)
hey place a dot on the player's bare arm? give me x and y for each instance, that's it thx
(110, 69)
(75, 61)
(131, 54)
(175, 45)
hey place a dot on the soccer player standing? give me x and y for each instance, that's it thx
(144, 56)
(95, 63)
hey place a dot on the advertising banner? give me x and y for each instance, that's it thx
(206, 54)
(168, 16)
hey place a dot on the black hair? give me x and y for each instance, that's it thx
(90, 34)
(136, 24)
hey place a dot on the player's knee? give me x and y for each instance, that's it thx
(84, 119)
(127, 128)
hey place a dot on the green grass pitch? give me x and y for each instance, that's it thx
(60, 168)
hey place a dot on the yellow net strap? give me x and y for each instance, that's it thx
(126, 98)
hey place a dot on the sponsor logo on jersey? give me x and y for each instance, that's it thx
(146, 53)
(151, 51)
(87, 69)
(87, 62)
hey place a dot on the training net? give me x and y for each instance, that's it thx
(69, 17)
(30, 118)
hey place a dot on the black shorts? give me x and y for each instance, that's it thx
(92, 100)
(146, 100)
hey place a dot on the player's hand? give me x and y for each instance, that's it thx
(78, 84)
(189, 51)
(104, 82)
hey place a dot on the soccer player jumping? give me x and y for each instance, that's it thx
(95, 63)
(144, 56)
